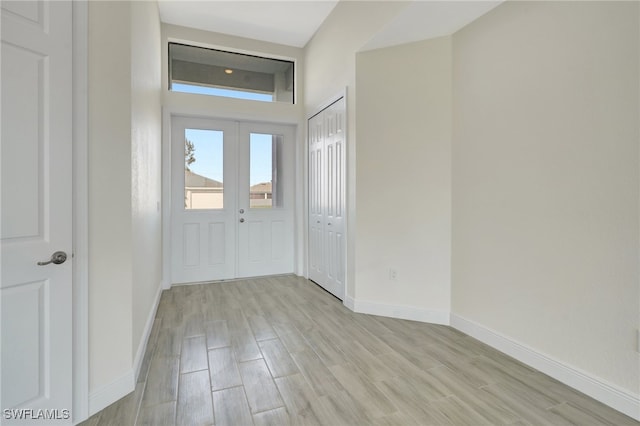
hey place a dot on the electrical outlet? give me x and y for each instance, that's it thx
(393, 274)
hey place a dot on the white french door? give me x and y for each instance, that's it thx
(265, 207)
(36, 232)
(232, 199)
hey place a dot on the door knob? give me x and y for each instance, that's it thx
(241, 211)
(56, 258)
(242, 220)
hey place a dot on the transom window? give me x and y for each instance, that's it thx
(215, 72)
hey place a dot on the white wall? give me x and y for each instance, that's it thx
(330, 61)
(330, 67)
(545, 182)
(124, 186)
(146, 175)
(109, 156)
(403, 179)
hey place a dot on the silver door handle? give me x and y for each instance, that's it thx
(56, 258)
(242, 220)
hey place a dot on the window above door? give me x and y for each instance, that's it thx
(214, 72)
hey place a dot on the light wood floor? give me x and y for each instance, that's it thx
(277, 351)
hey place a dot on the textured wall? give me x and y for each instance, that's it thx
(146, 178)
(109, 156)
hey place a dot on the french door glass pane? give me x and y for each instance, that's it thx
(203, 169)
(265, 158)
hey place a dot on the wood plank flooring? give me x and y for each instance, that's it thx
(280, 350)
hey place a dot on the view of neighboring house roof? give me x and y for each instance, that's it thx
(195, 180)
(261, 187)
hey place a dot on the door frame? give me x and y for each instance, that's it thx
(80, 208)
(80, 213)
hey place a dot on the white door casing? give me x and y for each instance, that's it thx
(327, 198)
(36, 301)
(232, 240)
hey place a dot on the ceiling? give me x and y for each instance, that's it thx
(294, 22)
(422, 20)
(291, 23)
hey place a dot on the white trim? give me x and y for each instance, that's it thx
(349, 302)
(108, 394)
(144, 341)
(324, 105)
(300, 200)
(597, 388)
(166, 198)
(347, 203)
(412, 313)
(80, 306)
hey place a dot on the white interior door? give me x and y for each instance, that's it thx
(36, 185)
(232, 199)
(327, 159)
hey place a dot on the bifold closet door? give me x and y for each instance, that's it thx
(327, 157)
(316, 197)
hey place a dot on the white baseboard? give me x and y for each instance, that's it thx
(412, 313)
(349, 302)
(111, 392)
(142, 346)
(607, 393)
